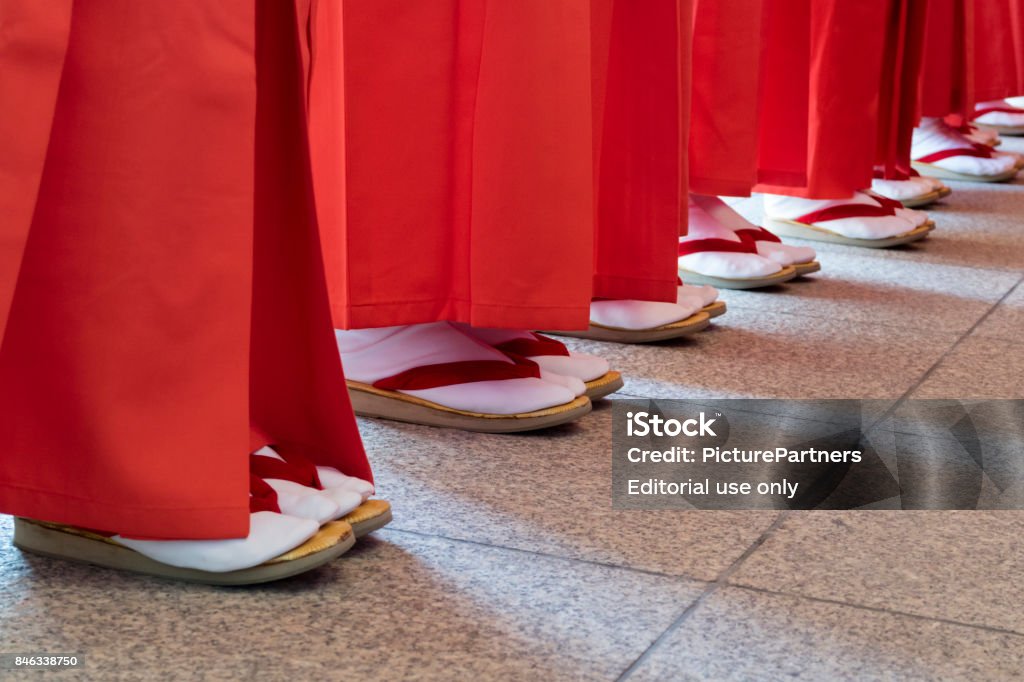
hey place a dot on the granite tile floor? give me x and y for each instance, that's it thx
(506, 561)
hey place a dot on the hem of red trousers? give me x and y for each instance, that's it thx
(724, 187)
(810, 192)
(165, 523)
(496, 315)
(635, 289)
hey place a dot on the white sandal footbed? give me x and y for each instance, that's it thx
(691, 325)
(604, 386)
(934, 137)
(786, 274)
(369, 401)
(716, 309)
(945, 174)
(83, 546)
(798, 230)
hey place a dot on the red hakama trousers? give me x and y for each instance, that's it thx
(726, 84)
(162, 297)
(641, 55)
(998, 49)
(947, 84)
(831, 129)
(901, 72)
(501, 163)
(974, 52)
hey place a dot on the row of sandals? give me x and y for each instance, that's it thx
(304, 515)
(444, 146)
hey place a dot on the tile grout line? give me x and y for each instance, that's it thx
(556, 557)
(878, 609)
(723, 578)
(931, 370)
(720, 581)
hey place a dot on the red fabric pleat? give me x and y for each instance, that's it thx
(641, 95)
(901, 73)
(844, 63)
(728, 42)
(32, 47)
(166, 301)
(297, 388)
(784, 103)
(998, 49)
(947, 83)
(502, 163)
(461, 187)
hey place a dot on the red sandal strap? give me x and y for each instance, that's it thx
(692, 246)
(261, 496)
(758, 234)
(539, 345)
(965, 127)
(979, 151)
(886, 202)
(293, 467)
(998, 109)
(847, 211)
(453, 373)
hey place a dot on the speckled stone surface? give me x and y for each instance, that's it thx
(547, 493)
(978, 367)
(862, 290)
(403, 606)
(962, 566)
(505, 560)
(751, 354)
(737, 634)
(1007, 320)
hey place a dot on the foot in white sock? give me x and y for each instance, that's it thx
(641, 315)
(270, 535)
(979, 135)
(690, 294)
(301, 491)
(275, 546)
(768, 245)
(861, 220)
(914, 191)
(1000, 115)
(582, 373)
(551, 355)
(713, 253)
(307, 503)
(942, 151)
(453, 379)
(332, 479)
